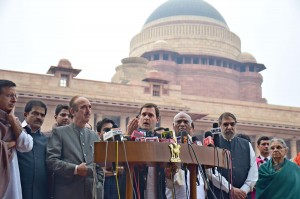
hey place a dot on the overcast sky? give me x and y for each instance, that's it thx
(95, 35)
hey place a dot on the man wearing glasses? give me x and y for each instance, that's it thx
(238, 183)
(104, 126)
(12, 139)
(110, 185)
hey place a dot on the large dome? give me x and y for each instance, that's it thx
(185, 7)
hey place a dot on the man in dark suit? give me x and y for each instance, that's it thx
(70, 155)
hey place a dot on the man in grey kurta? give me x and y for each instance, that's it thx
(70, 155)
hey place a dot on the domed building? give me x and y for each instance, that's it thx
(190, 44)
(185, 58)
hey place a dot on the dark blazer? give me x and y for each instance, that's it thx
(70, 146)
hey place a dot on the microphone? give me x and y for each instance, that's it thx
(195, 140)
(167, 136)
(216, 131)
(141, 135)
(183, 137)
(113, 134)
(208, 139)
(137, 134)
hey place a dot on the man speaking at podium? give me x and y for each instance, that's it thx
(150, 185)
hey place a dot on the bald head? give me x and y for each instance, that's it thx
(182, 122)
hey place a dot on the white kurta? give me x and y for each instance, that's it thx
(180, 186)
(14, 190)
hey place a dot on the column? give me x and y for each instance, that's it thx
(97, 117)
(293, 148)
(123, 125)
(257, 152)
(92, 121)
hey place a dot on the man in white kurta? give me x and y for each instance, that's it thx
(179, 182)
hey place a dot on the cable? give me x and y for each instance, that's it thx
(117, 165)
(105, 161)
(229, 159)
(127, 164)
(202, 173)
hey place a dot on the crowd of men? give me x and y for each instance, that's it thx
(60, 163)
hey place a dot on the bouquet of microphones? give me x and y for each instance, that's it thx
(115, 134)
(211, 138)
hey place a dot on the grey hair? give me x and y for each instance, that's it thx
(183, 113)
(278, 140)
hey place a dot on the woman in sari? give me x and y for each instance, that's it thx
(279, 177)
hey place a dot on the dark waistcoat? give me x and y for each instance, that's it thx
(240, 155)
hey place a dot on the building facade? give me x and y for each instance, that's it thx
(184, 59)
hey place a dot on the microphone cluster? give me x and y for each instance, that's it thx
(211, 138)
(115, 134)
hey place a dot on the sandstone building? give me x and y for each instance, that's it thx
(184, 59)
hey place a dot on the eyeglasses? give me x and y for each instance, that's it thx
(226, 124)
(106, 129)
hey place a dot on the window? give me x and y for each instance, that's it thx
(156, 57)
(243, 69)
(179, 60)
(204, 61)
(251, 69)
(211, 62)
(188, 60)
(165, 56)
(196, 60)
(64, 80)
(156, 90)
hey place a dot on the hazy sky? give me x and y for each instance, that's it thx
(95, 35)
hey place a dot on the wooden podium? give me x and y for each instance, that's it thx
(152, 153)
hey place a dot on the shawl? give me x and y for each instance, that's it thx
(6, 154)
(283, 183)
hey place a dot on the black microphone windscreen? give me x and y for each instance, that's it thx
(217, 140)
(215, 125)
(183, 136)
(194, 139)
(118, 138)
(182, 133)
(207, 134)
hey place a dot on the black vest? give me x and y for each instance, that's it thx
(240, 155)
